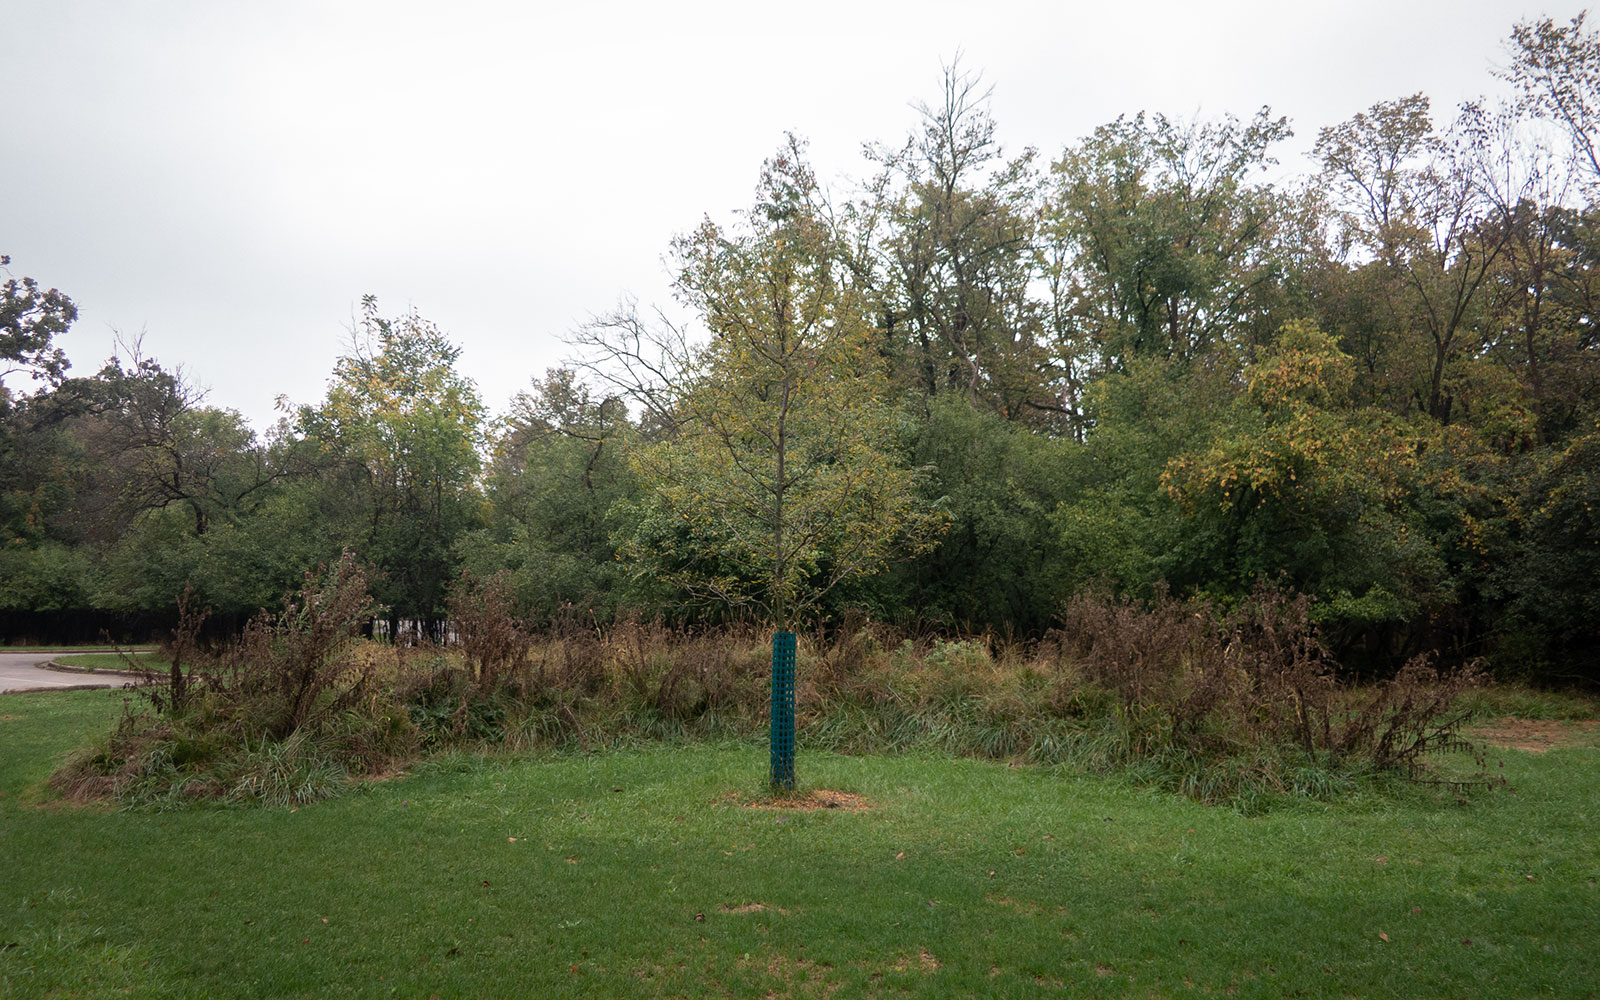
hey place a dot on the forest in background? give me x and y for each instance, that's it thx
(949, 399)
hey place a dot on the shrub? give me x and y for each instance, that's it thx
(1255, 683)
(490, 637)
(288, 713)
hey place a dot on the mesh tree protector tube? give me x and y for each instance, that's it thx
(783, 711)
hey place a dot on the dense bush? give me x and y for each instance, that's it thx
(1228, 685)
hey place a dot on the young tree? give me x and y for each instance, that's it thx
(781, 480)
(775, 478)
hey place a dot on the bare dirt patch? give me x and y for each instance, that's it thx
(751, 908)
(1533, 735)
(9, 718)
(816, 800)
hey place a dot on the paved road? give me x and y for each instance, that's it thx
(19, 673)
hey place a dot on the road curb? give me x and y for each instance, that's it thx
(68, 687)
(96, 671)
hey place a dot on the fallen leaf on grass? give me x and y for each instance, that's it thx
(1383, 936)
(900, 856)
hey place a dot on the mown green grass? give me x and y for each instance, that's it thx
(147, 660)
(636, 873)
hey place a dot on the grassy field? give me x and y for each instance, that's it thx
(647, 873)
(147, 660)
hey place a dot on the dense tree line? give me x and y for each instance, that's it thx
(953, 397)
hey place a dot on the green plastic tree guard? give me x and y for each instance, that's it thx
(783, 711)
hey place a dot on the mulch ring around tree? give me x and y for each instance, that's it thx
(1534, 735)
(813, 800)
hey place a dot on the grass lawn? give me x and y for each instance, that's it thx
(148, 660)
(644, 873)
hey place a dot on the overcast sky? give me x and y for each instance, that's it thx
(230, 179)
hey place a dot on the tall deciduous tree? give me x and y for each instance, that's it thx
(30, 319)
(1160, 241)
(956, 260)
(1411, 205)
(400, 429)
(1557, 68)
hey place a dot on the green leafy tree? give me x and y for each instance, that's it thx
(999, 563)
(398, 436)
(1411, 209)
(31, 318)
(953, 261)
(1389, 524)
(1159, 240)
(556, 489)
(780, 479)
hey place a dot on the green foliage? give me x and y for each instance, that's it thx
(1553, 630)
(1297, 485)
(399, 433)
(780, 480)
(31, 318)
(557, 488)
(1166, 247)
(999, 560)
(50, 577)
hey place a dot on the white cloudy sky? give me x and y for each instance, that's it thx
(230, 179)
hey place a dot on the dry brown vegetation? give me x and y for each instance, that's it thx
(1238, 706)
